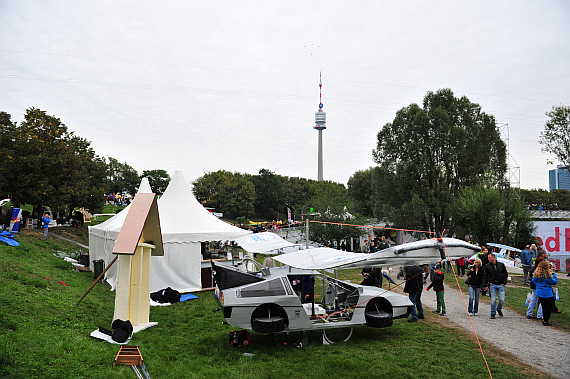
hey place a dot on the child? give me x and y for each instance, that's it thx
(437, 285)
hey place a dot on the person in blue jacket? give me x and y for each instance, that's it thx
(526, 262)
(544, 278)
(45, 220)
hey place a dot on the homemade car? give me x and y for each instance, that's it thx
(266, 302)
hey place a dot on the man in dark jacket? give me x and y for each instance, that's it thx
(494, 279)
(413, 288)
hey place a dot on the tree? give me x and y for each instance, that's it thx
(45, 164)
(491, 214)
(122, 179)
(426, 155)
(360, 192)
(330, 204)
(269, 194)
(6, 152)
(158, 180)
(227, 192)
(297, 196)
(555, 138)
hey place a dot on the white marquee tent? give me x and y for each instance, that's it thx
(184, 223)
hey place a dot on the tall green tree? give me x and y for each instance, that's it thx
(122, 179)
(7, 153)
(45, 164)
(297, 196)
(427, 154)
(269, 194)
(360, 192)
(555, 138)
(230, 193)
(158, 180)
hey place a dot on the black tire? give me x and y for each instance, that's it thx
(379, 319)
(269, 318)
(266, 325)
(289, 339)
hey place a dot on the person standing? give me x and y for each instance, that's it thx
(533, 297)
(495, 277)
(383, 244)
(45, 221)
(526, 262)
(460, 265)
(437, 285)
(544, 278)
(475, 283)
(533, 251)
(413, 288)
(308, 286)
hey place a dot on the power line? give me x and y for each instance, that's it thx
(242, 93)
(264, 73)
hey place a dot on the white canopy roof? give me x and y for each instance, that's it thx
(264, 243)
(184, 219)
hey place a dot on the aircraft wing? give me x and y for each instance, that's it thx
(504, 247)
(419, 252)
(320, 258)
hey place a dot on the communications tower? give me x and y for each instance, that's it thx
(320, 125)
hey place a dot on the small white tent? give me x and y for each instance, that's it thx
(184, 223)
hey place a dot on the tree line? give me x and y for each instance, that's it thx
(440, 167)
(42, 163)
(266, 195)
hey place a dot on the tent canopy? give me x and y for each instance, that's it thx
(264, 243)
(184, 223)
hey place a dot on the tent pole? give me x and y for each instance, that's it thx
(96, 280)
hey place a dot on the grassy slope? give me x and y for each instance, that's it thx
(44, 335)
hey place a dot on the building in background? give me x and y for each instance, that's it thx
(559, 178)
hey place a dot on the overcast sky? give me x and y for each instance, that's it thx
(200, 86)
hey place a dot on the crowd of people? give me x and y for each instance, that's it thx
(487, 274)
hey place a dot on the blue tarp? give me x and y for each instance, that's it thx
(8, 238)
(188, 296)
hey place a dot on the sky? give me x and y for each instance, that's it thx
(200, 86)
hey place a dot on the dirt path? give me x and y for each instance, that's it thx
(538, 346)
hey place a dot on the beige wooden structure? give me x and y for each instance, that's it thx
(140, 238)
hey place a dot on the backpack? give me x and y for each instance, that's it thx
(122, 330)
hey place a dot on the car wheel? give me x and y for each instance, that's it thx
(268, 325)
(269, 318)
(378, 319)
(378, 313)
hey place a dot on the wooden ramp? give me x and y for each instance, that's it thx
(131, 356)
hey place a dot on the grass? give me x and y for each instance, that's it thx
(43, 334)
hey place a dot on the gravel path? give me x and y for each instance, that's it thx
(539, 346)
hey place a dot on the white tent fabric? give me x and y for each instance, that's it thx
(184, 224)
(264, 243)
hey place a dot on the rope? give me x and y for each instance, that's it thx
(467, 309)
(370, 226)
